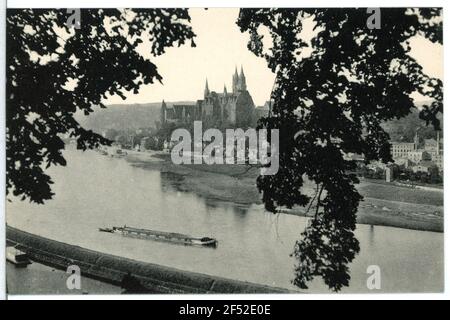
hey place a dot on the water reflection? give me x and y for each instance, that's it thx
(173, 182)
(371, 234)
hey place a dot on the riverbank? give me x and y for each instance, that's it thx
(385, 205)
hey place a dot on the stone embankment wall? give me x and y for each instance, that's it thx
(109, 268)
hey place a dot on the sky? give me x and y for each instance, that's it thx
(220, 48)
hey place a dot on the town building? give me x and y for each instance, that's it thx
(403, 162)
(418, 155)
(424, 166)
(401, 149)
(434, 147)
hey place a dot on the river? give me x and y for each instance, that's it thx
(96, 191)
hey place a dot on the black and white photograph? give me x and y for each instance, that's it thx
(223, 150)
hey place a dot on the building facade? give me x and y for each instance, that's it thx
(418, 155)
(401, 149)
(424, 166)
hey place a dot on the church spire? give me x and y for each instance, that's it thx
(206, 88)
(225, 89)
(163, 112)
(235, 80)
(242, 81)
(416, 140)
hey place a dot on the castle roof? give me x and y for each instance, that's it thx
(404, 143)
(432, 142)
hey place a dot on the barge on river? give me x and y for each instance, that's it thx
(172, 237)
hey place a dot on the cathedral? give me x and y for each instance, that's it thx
(235, 108)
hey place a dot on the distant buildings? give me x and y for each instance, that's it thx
(235, 107)
(418, 158)
(403, 162)
(418, 155)
(424, 166)
(412, 160)
(263, 111)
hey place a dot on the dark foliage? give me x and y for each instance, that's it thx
(333, 102)
(54, 71)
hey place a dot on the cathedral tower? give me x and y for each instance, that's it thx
(235, 81)
(206, 89)
(163, 112)
(242, 81)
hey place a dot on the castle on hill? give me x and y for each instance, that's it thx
(234, 108)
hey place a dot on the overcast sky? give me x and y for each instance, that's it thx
(220, 48)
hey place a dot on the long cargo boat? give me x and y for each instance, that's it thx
(161, 236)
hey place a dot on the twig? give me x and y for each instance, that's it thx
(318, 202)
(312, 200)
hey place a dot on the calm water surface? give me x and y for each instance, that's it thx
(96, 191)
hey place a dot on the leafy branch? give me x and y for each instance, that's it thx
(329, 102)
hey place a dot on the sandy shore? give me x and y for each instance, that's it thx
(384, 204)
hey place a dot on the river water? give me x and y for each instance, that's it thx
(96, 191)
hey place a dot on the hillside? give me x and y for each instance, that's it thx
(134, 116)
(405, 128)
(123, 116)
